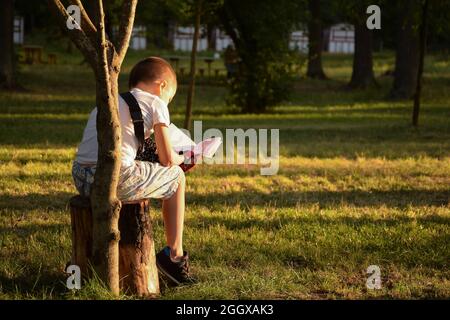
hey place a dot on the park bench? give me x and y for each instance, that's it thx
(137, 262)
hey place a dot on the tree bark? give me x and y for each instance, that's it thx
(137, 261)
(423, 44)
(211, 36)
(315, 42)
(191, 90)
(362, 74)
(104, 201)
(81, 222)
(407, 54)
(7, 79)
(106, 62)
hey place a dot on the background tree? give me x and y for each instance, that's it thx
(315, 41)
(423, 43)
(158, 17)
(407, 49)
(105, 61)
(260, 31)
(438, 33)
(190, 95)
(7, 76)
(362, 72)
(192, 12)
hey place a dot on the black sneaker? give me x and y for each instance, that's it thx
(178, 272)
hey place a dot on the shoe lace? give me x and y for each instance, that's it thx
(185, 268)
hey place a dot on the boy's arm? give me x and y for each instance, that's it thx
(167, 156)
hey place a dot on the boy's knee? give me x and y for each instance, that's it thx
(181, 177)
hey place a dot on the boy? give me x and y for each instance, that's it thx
(153, 84)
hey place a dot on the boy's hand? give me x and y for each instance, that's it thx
(189, 161)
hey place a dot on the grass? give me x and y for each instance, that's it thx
(357, 186)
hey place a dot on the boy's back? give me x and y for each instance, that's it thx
(154, 85)
(154, 111)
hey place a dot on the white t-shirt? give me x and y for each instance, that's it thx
(154, 111)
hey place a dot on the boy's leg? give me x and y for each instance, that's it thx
(151, 180)
(173, 214)
(83, 177)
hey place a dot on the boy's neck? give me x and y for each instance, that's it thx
(148, 88)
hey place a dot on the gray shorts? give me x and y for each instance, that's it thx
(143, 180)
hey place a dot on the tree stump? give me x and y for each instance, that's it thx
(137, 260)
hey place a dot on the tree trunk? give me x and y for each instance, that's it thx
(254, 102)
(211, 36)
(407, 54)
(423, 43)
(81, 222)
(105, 61)
(104, 201)
(137, 260)
(315, 42)
(190, 97)
(362, 74)
(7, 80)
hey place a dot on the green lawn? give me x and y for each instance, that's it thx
(357, 186)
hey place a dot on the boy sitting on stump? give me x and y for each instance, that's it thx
(153, 85)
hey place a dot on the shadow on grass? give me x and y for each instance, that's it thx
(36, 283)
(252, 198)
(385, 240)
(36, 201)
(345, 242)
(307, 137)
(27, 132)
(36, 271)
(325, 199)
(277, 223)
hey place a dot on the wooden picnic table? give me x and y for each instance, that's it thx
(33, 54)
(174, 60)
(208, 62)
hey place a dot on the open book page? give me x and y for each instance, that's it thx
(181, 142)
(208, 147)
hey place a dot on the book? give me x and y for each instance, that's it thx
(182, 143)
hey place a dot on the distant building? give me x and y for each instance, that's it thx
(183, 36)
(18, 30)
(299, 41)
(340, 38)
(222, 40)
(138, 39)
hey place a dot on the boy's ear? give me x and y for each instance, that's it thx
(163, 84)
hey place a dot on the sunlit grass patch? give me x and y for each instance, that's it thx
(356, 186)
